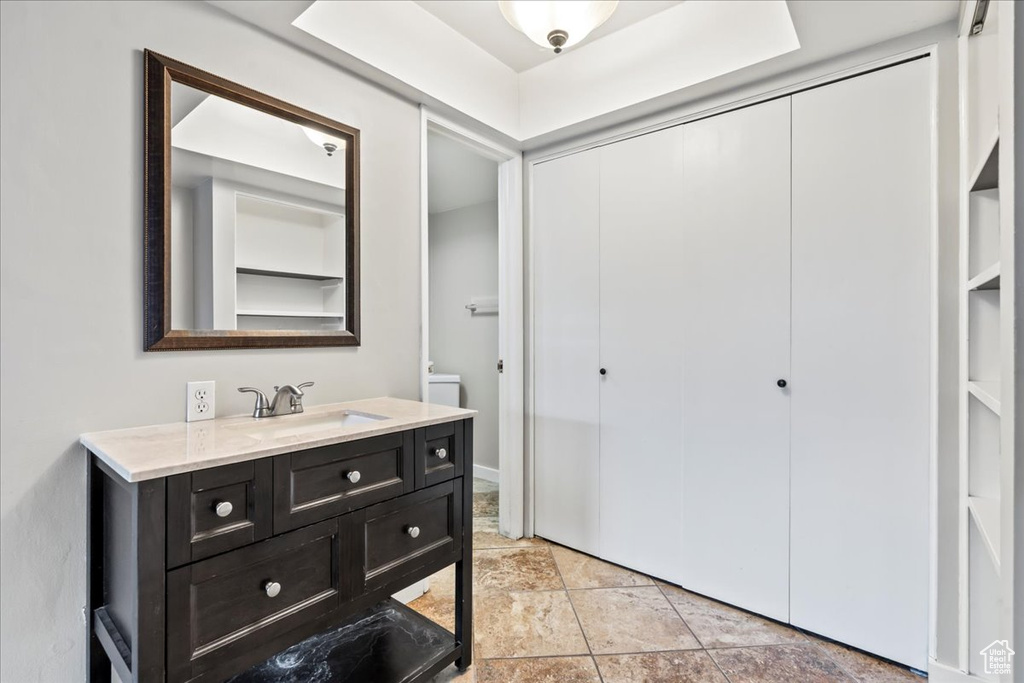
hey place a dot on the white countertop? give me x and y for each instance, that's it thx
(142, 453)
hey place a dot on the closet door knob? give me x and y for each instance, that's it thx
(354, 476)
(223, 508)
(781, 383)
(603, 371)
(442, 453)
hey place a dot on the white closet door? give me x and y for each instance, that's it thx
(734, 299)
(565, 270)
(861, 361)
(641, 336)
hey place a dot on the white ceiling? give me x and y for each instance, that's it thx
(483, 23)
(684, 44)
(457, 176)
(222, 129)
(421, 51)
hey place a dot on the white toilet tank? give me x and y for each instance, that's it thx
(444, 389)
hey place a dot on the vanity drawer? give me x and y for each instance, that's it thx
(405, 534)
(226, 605)
(439, 453)
(313, 485)
(212, 511)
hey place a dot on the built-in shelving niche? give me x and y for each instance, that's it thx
(986, 324)
(983, 402)
(290, 261)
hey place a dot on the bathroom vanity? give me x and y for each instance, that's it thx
(267, 550)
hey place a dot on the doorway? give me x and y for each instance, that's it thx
(472, 303)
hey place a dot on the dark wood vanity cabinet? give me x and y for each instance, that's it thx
(204, 575)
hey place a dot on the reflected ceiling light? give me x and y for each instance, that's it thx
(557, 23)
(329, 143)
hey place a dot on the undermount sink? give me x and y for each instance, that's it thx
(296, 425)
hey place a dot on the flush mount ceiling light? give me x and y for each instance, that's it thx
(557, 23)
(329, 144)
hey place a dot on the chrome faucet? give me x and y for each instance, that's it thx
(265, 408)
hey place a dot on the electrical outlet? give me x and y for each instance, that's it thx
(201, 401)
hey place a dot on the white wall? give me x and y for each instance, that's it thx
(71, 271)
(464, 264)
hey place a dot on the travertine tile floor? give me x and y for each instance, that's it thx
(547, 614)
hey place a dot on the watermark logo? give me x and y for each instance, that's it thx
(998, 658)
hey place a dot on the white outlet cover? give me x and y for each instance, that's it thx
(200, 401)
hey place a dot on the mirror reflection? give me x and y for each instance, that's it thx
(258, 230)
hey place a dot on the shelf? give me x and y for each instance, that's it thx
(987, 393)
(290, 314)
(986, 176)
(387, 642)
(986, 515)
(986, 279)
(246, 270)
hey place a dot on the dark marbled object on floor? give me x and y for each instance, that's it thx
(389, 642)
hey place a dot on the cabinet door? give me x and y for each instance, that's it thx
(733, 297)
(564, 232)
(861, 361)
(641, 338)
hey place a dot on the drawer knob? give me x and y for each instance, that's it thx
(413, 531)
(354, 476)
(441, 453)
(223, 508)
(272, 588)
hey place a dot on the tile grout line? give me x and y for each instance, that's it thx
(579, 623)
(694, 634)
(719, 667)
(680, 615)
(828, 656)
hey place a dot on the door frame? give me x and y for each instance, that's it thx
(511, 340)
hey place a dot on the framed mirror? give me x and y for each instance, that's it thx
(252, 218)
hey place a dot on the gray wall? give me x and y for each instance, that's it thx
(464, 264)
(71, 268)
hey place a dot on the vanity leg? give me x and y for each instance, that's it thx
(96, 663)
(464, 568)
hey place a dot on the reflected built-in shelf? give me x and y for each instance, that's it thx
(247, 270)
(291, 314)
(986, 515)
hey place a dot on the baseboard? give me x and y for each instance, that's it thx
(942, 673)
(485, 473)
(410, 593)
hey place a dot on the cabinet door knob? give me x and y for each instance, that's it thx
(603, 371)
(272, 588)
(223, 508)
(441, 453)
(781, 383)
(354, 476)
(413, 531)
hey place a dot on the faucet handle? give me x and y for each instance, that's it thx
(296, 397)
(262, 408)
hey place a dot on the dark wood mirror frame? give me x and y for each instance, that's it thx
(160, 71)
